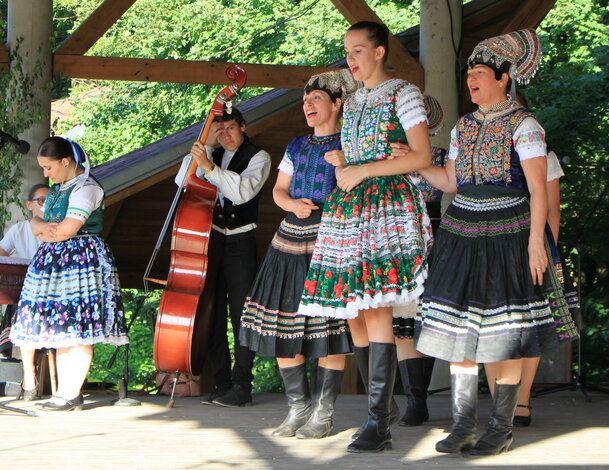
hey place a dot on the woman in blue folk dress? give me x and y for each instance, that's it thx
(271, 325)
(71, 296)
(370, 257)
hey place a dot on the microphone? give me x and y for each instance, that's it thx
(20, 145)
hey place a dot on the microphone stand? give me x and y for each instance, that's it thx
(578, 379)
(123, 382)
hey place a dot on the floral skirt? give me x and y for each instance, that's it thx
(479, 301)
(270, 323)
(371, 250)
(71, 296)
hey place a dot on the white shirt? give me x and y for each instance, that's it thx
(554, 169)
(20, 241)
(239, 188)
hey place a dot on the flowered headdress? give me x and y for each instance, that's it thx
(337, 83)
(518, 54)
(435, 114)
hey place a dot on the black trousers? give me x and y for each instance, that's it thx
(235, 276)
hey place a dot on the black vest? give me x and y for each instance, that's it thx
(233, 216)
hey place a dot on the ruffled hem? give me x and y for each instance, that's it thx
(70, 342)
(401, 303)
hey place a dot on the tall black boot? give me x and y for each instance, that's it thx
(375, 435)
(361, 359)
(498, 436)
(464, 396)
(299, 400)
(327, 389)
(416, 376)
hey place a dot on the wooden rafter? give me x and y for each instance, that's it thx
(94, 27)
(405, 65)
(181, 71)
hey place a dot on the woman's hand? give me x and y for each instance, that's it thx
(349, 177)
(336, 158)
(398, 150)
(303, 207)
(48, 231)
(538, 260)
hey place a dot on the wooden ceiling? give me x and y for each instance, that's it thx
(134, 215)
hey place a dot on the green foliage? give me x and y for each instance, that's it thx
(18, 111)
(140, 310)
(570, 96)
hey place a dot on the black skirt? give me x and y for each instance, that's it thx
(479, 301)
(270, 324)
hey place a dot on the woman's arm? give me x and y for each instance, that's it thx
(281, 195)
(553, 189)
(58, 232)
(419, 157)
(535, 172)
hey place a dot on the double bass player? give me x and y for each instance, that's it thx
(239, 170)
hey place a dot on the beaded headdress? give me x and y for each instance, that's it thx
(337, 83)
(517, 53)
(435, 114)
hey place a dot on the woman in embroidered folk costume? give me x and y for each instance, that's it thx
(71, 296)
(371, 249)
(271, 325)
(486, 300)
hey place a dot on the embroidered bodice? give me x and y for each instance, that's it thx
(486, 148)
(312, 176)
(58, 202)
(374, 118)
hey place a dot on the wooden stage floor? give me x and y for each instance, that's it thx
(567, 433)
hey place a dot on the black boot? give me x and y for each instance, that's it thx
(416, 375)
(299, 400)
(498, 436)
(361, 359)
(375, 435)
(327, 388)
(464, 396)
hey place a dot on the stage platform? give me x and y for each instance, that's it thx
(567, 433)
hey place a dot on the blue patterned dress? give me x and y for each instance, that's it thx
(479, 301)
(270, 323)
(71, 293)
(373, 242)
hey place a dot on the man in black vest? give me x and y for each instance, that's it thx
(238, 169)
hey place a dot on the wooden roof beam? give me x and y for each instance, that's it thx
(405, 65)
(181, 71)
(94, 27)
(4, 58)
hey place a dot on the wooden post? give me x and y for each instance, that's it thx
(31, 21)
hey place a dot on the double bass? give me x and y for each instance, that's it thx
(184, 320)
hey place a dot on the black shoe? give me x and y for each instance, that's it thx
(28, 395)
(498, 437)
(523, 421)
(68, 405)
(464, 396)
(320, 422)
(217, 393)
(375, 435)
(299, 400)
(235, 397)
